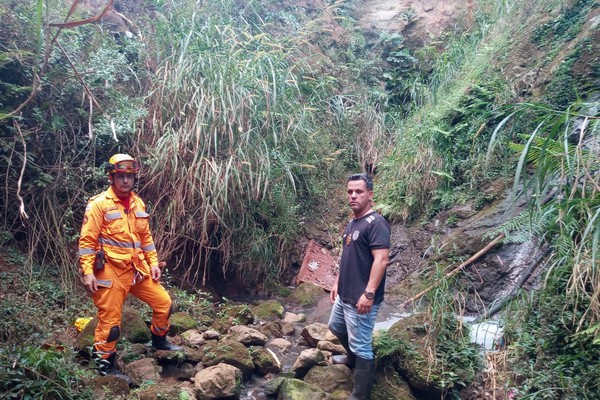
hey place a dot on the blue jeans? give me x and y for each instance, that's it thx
(346, 321)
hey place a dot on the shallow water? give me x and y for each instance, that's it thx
(485, 333)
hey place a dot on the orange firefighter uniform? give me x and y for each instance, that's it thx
(124, 236)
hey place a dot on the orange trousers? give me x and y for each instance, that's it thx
(113, 287)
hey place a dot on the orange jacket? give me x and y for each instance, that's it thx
(124, 236)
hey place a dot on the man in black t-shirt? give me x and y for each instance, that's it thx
(358, 291)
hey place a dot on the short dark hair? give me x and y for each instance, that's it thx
(362, 177)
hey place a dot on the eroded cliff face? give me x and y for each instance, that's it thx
(420, 22)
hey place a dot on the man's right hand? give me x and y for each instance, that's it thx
(333, 292)
(89, 281)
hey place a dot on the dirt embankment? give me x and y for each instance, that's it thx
(420, 22)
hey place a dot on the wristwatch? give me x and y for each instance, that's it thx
(369, 295)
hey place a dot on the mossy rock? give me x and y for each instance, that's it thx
(296, 389)
(272, 386)
(389, 385)
(162, 390)
(181, 322)
(307, 295)
(240, 314)
(270, 309)
(412, 359)
(264, 361)
(231, 315)
(133, 328)
(229, 352)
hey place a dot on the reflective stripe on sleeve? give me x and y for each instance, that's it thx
(149, 247)
(141, 214)
(85, 251)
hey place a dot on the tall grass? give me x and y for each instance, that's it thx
(557, 328)
(559, 169)
(440, 146)
(234, 138)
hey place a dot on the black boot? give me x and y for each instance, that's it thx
(364, 376)
(107, 366)
(161, 343)
(349, 360)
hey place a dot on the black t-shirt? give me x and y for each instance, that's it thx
(362, 235)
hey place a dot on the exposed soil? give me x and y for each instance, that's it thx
(420, 22)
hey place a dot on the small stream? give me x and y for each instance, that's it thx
(486, 334)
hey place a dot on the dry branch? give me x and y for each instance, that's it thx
(456, 270)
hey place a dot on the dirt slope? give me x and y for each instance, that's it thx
(419, 21)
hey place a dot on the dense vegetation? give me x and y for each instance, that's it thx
(246, 115)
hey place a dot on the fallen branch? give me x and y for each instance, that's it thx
(456, 270)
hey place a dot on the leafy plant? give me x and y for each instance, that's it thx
(557, 172)
(457, 359)
(35, 373)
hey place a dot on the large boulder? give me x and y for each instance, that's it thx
(265, 361)
(390, 385)
(412, 359)
(295, 389)
(193, 338)
(306, 360)
(326, 345)
(229, 352)
(306, 295)
(272, 329)
(133, 328)
(218, 381)
(181, 322)
(232, 315)
(314, 333)
(247, 336)
(280, 345)
(142, 371)
(331, 378)
(270, 309)
(293, 318)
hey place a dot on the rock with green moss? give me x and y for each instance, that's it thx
(228, 352)
(296, 389)
(270, 309)
(411, 358)
(390, 385)
(307, 295)
(181, 322)
(265, 361)
(232, 315)
(165, 390)
(331, 378)
(133, 329)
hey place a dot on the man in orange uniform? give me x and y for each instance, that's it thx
(116, 224)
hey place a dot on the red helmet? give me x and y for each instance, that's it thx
(122, 163)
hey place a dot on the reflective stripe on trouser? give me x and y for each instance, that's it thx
(112, 292)
(345, 320)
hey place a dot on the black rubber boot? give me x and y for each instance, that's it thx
(364, 376)
(349, 360)
(107, 366)
(161, 343)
